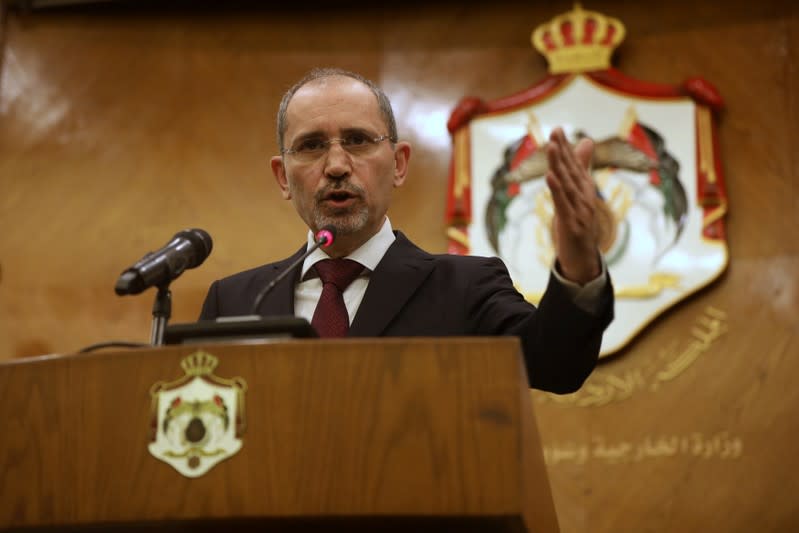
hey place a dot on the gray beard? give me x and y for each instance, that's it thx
(345, 221)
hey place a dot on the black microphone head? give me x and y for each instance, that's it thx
(326, 235)
(201, 242)
(129, 283)
(187, 249)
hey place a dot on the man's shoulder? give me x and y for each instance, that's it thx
(402, 241)
(259, 273)
(405, 247)
(249, 274)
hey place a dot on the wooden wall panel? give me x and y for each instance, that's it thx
(120, 127)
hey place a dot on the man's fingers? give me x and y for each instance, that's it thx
(572, 164)
(584, 151)
(561, 201)
(565, 166)
(573, 189)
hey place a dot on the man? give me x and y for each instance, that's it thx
(340, 161)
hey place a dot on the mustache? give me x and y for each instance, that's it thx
(337, 187)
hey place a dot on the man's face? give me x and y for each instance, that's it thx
(351, 192)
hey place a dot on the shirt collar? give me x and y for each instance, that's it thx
(369, 254)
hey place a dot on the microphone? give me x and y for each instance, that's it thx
(187, 249)
(324, 238)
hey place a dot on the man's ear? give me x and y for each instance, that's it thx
(402, 155)
(279, 170)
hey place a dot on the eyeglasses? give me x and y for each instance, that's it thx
(356, 144)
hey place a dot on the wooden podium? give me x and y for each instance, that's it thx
(345, 435)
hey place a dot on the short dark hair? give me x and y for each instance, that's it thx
(383, 102)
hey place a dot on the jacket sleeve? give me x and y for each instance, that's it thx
(560, 341)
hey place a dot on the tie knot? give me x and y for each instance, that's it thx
(339, 272)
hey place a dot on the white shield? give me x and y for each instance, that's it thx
(654, 243)
(197, 419)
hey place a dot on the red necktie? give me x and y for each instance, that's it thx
(330, 319)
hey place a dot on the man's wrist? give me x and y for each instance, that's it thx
(583, 275)
(586, 296)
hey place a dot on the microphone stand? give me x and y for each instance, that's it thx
(323, 238)
(162, 310)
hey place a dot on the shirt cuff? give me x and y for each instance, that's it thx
(586, 297)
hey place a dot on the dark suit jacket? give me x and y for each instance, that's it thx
(413, 293)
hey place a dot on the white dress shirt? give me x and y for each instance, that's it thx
(308, 291)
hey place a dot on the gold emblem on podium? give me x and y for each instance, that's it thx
(198, 419)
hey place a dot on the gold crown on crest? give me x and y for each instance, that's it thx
(199, 364)
(578, 41)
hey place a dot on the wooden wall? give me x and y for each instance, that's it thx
(120, 127)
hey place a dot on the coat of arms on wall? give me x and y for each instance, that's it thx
(198, 419)
(659, 183)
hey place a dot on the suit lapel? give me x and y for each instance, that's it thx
(281, 300)
(398, 275)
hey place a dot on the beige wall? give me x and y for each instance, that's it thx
(117, 129)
